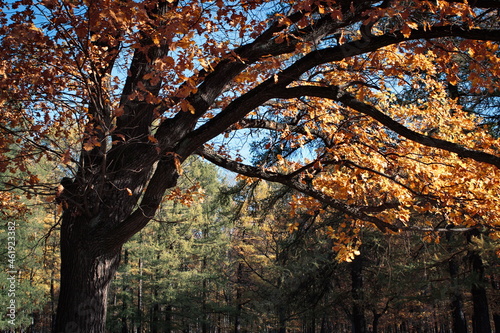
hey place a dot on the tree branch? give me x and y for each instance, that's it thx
(335, 93)
(214, 83)
(274, 87)
(164, 177)
(297, 184)
(276, 126)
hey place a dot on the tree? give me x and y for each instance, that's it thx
(183, 254)
(147, 84)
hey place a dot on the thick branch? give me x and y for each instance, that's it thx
(164, 177)
(486, 4)
(276, 126)
(273, 88)
(239, 59)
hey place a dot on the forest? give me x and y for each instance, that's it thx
(243, 166)
(235, 258)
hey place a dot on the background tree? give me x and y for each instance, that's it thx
(30, 253)
(183, 255)
(147, 84)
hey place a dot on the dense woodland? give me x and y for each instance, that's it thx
(250, 166)
(233, 257)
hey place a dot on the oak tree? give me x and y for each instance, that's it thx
(359, 103)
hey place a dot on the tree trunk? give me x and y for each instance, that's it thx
(376, 320)
(459, 321)
(496, 320)
(155, 313)
(168, 319)
(86, 273)
(481, 316)
(281, 319)
(97, 220)
(139, 299)
(358, 313)
(124, 301)
(238, 301)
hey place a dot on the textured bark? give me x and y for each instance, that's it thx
(86, 274)
(93, 231)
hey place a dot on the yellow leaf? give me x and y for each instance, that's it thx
(156, 39)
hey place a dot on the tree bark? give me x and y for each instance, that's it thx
(86, 274)
(481, 316)
(358, 314)
(458, 315)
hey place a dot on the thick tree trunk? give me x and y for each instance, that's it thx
(97, 220)
(86, 273)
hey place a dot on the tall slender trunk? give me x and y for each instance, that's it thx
(481, 315)
(155, 311)
(495, 285)
(168, 319)
(239, 307)
(124, 301)
(376, 320)
(204, 287)
(281, 319)
(139, 299)
(458, 314)
(496, 320)
(358, 310)
(52, 301)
